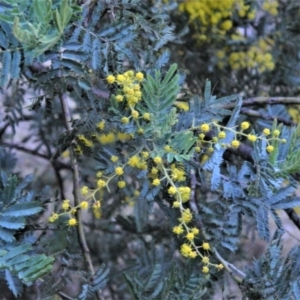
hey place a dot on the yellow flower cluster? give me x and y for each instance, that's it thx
(257, 56)
(70, 210)
(235, 143)
(271, 6)
(129, 87)
(215, 16)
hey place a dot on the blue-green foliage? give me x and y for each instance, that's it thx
(17, 258)
(273, 276)
(97, 282)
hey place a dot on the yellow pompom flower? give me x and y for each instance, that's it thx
(121, 184)
(195, 230)
(84, 205)
(178, 229)
(190, 236)
(193, 254)
(114, 158)
(101, 183)
(135, 114)
(146, 116)
(139, 76)
(110, 79)
(172, 190)
(266, 131)
(205, 270)
(119, 98)
(84, 190)
(66, 204)
(220, 267)
(157, 159)
(185, 250)
(119, 171)
(176, 204)
(222, 135)
(204, 127)
(205, 259)
(206, 246)
(276, 133)
(156, 182)
(186, 216)
(72, 222)
(252, 137)
(245, 125)
(125, 120)
(270, 149)
(235, 143)
(120, 78)
(53, 217)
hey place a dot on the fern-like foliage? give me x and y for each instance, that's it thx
(177, 282)
(274, 276)
(18, 260)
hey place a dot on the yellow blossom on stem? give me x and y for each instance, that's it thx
(245, 125)
(157, 159)
(201, 136)
(84, 190)
(156, 182)
(135, 114)
(125, 120)
(97, 204)
(146, 116)
(270, 149)
(206, 246)
(185, 250)
(178, 229)
(119, 98)
(66, 204)
(114, 158)
(186, 216)
(53, 217)
(121, 184)
(172, 190)
(220, 267)
(190, 236)
(193, 254)
(119, 171)
(72, 222)
(110, 79)
(133, 161)
(84, 204)
(139, 76)
(176, 204)
(195, 230)
(145, 154)
(276, 133)
(235, 143)
(205, 270)
(204, 127)
(222, 135)
(101, 183)
(252, 137)
(266, 131)
(205, 259)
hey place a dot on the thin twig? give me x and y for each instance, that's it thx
(237, 274)
(265, 101)
(80, 230)
(258, 114)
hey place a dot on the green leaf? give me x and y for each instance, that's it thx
(22, 209)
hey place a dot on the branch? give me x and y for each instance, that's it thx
(265, 101)
(258, 114)
(80, 231)
(237, 274)
(293, 216)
